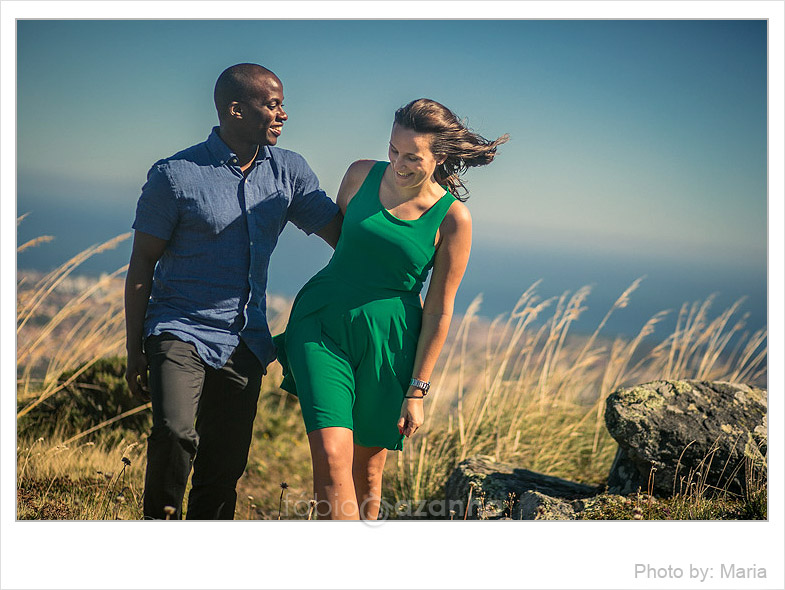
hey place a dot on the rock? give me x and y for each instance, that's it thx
(538, 506)
(606, 507)
(675, 433)
(494, 482)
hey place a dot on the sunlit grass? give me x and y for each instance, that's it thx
(521, 388)
(535, 396)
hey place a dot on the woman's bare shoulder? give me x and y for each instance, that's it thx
(458, 216)
(456, 228)
(361, 166)
(353, 180)
(359, 169)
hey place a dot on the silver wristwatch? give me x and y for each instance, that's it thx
(424, 385)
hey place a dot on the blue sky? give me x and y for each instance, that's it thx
(641, 143)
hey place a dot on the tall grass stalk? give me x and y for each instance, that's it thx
(522, 389)
(76, 333)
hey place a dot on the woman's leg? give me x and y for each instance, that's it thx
(332, 451)
(367, 470)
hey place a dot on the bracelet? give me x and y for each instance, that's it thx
(419, 384)
(413, 397)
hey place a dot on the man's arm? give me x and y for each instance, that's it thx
(146, 251)
(332, 231)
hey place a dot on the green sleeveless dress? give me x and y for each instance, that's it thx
(348, 349)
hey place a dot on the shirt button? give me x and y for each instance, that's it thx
(251, 243)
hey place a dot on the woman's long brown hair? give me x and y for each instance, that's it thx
(450, 137)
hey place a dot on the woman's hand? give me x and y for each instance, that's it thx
(412, 413)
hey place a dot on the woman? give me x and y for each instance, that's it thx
(360, 346)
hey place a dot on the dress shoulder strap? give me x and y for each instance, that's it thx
(370, 183)
(440, 208)
(375, 174)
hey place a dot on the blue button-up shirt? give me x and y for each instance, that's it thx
(209, 285)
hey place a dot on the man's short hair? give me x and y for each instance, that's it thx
(236, 83)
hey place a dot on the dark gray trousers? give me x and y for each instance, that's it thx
(202, 418)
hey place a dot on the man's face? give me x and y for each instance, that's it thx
(263, 114)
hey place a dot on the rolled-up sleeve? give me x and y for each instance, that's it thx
(156, 210)
(310, 208)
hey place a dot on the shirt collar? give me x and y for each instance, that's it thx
(223, 155)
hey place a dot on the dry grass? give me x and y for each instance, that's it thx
(88, 481)
(533, 395)
(520, 388)
(58, 330)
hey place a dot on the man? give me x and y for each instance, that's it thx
(206, 223)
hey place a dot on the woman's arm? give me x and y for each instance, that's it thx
(452, 256)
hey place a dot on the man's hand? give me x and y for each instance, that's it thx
(146, 251)
(136, 375)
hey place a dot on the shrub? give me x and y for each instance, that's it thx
(98, 394)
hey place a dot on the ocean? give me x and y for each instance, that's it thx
(499, 273)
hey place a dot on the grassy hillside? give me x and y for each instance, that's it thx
(521, 388)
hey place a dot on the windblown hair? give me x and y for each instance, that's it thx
(237, 83)
(450, 136)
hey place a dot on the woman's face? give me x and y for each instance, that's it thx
(411, 159)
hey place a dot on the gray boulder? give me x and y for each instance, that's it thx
(673, 434)
(500, 490)
(539, 506)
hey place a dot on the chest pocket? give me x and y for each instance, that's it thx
(267, 203)
(210, 212)
(266, 218)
